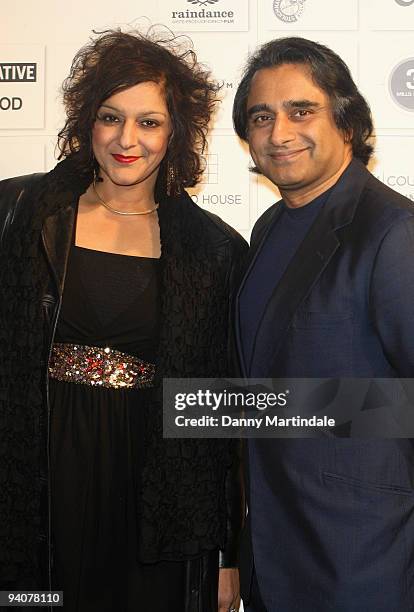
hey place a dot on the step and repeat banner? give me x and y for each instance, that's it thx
(374, 37)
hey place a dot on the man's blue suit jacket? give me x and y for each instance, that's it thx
(338, 513)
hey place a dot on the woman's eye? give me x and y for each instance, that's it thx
(149, 123)
(108, 118)
(261, 119)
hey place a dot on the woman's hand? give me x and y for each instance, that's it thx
(229, 589)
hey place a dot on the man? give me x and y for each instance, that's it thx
(328, 292)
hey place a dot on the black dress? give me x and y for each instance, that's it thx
(97, 444)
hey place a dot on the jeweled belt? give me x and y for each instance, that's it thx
(99, 367)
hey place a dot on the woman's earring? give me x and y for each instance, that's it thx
(170, 177)
(96, 177)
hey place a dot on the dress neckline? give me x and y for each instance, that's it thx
(115, 254)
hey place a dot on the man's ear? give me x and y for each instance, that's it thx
(348, 136)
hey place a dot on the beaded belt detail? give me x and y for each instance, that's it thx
(99, 367)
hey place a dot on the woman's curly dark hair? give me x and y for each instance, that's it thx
(115, 61)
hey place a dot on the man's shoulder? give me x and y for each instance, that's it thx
(383, 195)
(384, 205)
(361, 197)
(264, 220)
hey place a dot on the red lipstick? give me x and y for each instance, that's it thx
(124, 159)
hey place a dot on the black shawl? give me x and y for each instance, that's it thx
(182, 498)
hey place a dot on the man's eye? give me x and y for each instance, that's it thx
(302, 112)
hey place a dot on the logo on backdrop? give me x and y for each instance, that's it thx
(13, 72)
(288, 11)
(405, 2)
(401, 84)
(210, 176)
(206, 2)
(201, 12)
(22, 92)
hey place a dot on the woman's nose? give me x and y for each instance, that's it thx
(129, 135)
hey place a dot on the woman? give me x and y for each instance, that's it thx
(112, 279)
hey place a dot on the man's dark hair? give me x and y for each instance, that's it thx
(115, 61)
(350, 110)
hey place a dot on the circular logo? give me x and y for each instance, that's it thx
(404, 2)
(401, 84)
(288, 10)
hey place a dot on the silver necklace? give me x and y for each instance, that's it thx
(121, 212)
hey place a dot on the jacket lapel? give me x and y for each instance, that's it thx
(58, 204)
(303, 271)
(252, 255)
(309, 261)
(57, 232)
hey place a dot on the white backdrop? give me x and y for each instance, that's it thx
(375, 37)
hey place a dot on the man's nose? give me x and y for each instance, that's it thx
(283, 130)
